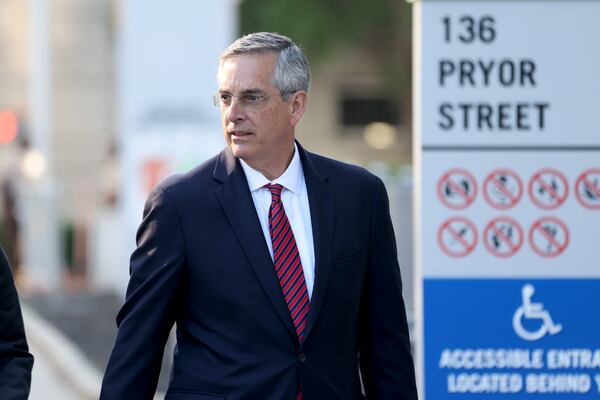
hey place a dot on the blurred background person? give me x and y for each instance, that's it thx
(15, 360)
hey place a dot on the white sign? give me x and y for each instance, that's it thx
(507, 150)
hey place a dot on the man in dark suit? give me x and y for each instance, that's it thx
(15, 360)
(277, 265)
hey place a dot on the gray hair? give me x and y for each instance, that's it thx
(292, 71)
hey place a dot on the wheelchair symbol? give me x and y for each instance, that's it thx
(533, 311)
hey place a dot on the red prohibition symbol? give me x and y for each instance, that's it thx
(587, 189)
(503, 237)
(548, 189)
(457, 189)
(457, 237)
(549, 237)
(502, 189)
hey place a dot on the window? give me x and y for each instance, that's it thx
(357, 111)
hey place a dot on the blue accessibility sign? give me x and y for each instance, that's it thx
(512, 339)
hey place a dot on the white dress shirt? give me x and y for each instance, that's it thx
(295, 203)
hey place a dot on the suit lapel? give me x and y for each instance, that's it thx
(322, 211)
(236, 200)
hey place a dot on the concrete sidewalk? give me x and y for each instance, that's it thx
(47, 382)
(60, 370)
(71, 351)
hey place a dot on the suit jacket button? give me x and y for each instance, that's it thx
(302, 357)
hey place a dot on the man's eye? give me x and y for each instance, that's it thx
(252, 98)
(225, 98)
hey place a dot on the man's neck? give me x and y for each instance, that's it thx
(274, 169)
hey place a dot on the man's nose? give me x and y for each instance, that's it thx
(235, 111)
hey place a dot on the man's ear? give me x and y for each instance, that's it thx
(298, 103)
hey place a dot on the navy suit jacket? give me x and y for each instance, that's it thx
(202, 262)
(15, 360)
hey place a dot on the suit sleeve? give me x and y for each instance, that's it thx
(149, 312)
(15, 360)
(385, 359)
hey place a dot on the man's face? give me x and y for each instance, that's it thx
(257, 123)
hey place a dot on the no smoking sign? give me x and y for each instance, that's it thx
(457, 237)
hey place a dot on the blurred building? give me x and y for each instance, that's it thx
(348, 118)
(76, 53)
(13, 97)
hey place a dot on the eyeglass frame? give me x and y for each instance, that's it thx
(258, 103)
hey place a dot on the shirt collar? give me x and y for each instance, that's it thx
(291, 179)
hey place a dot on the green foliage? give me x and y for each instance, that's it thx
(379, 28)
(68, 245)
(319, 24)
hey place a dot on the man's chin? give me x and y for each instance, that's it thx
(239, 150)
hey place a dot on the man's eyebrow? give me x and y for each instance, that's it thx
(252, 91)
(245, 91)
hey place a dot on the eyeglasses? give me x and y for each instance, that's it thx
(250, 100)
(246, 100)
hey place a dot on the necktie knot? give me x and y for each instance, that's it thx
(275, 190)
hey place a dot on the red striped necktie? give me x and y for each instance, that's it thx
(287, 264)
